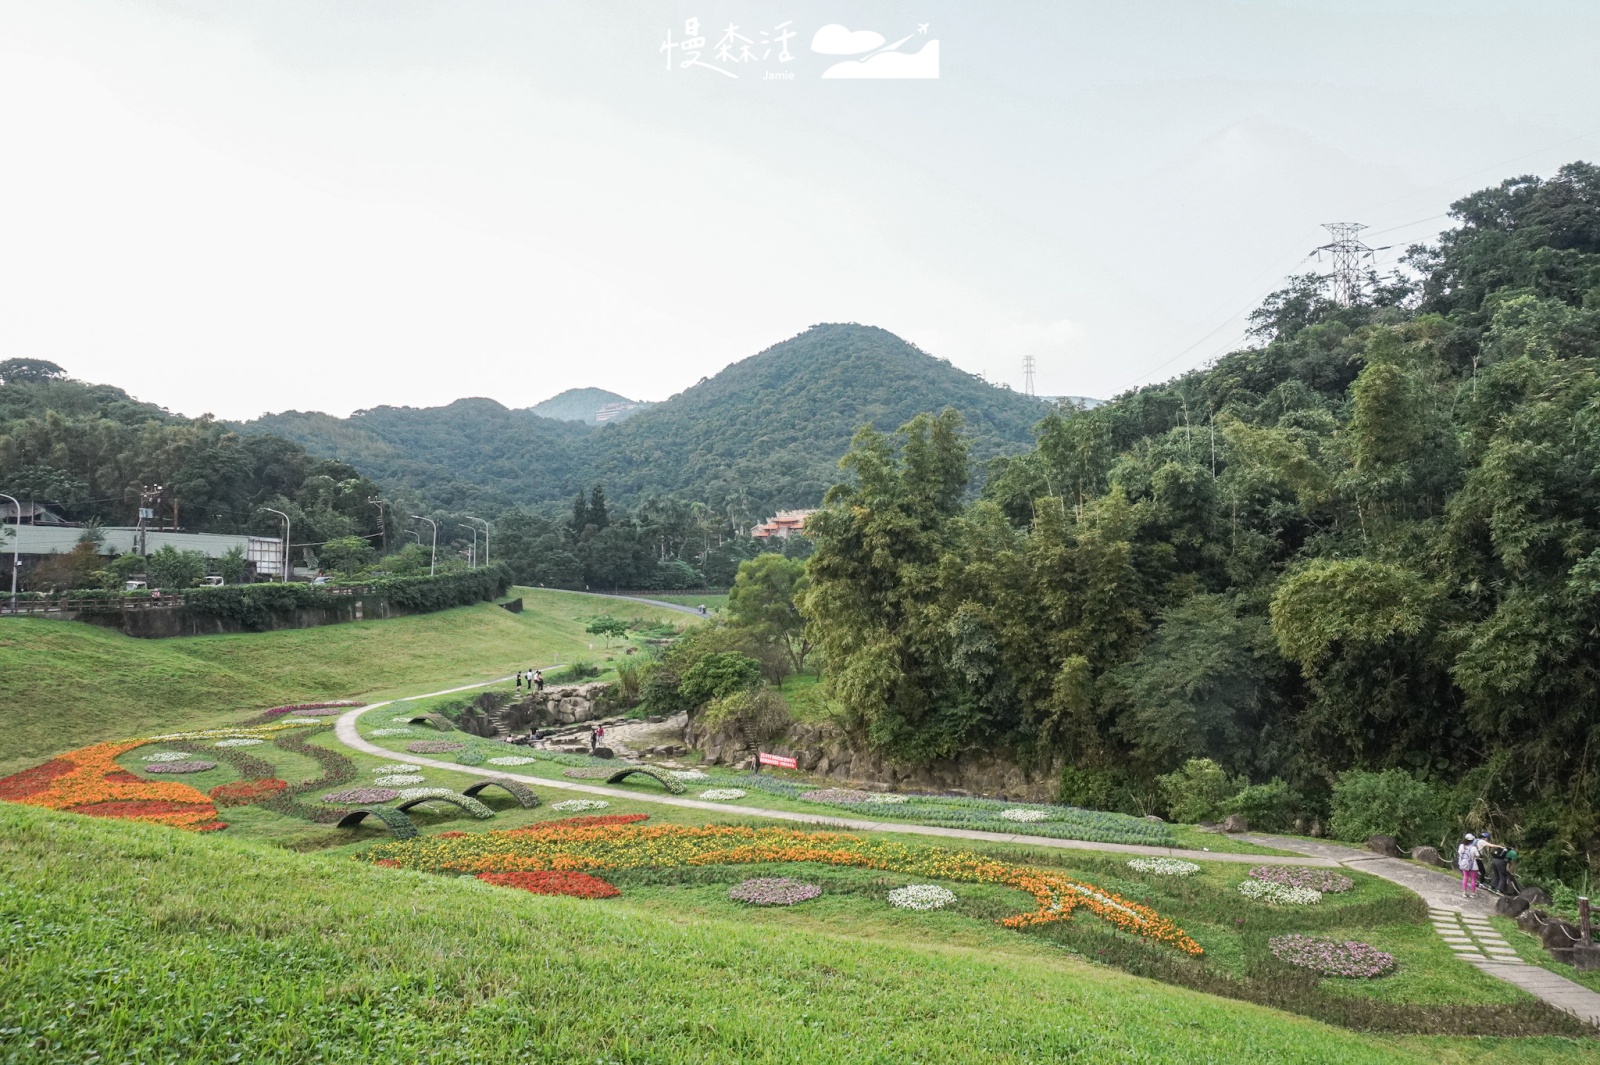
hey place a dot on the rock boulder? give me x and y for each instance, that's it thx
(1384, 845)
(1428, 856)
(1236, 823)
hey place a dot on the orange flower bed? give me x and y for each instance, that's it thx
(559, 847)
(574, 885)
(89, 781)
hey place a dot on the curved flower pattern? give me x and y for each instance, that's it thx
(89, 781)
(1331, 958)
(312, 709)
(921, 897)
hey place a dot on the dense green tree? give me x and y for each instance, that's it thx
(762, 602)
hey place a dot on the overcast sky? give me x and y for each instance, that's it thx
(255, 206)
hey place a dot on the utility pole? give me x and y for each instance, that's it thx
(16, 547)
(286, 570)
(471, 558)
(1348, 255)
(485, 538)
(1028, 366)
(433, 558)
(148, 498)
(383, 526)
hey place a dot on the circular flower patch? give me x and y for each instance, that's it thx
(773, 891)
(1024, 815)
(1163, 866)
(1296, 876)
(576, 885)
(1278, 895)
(395, 767)
(512, 760)
(390, 732)
(246, 792)
(166, 756)
(921, 897)
(847, 796)
(195, 766)
(575, 806)
(434, 746)
(1331, 958)
(360, 796)
(722, 794)
(399, 780)
(241, 741)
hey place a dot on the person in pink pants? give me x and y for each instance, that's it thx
(1467, 862)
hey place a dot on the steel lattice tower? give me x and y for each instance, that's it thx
(1348, 255)
(1027, 375)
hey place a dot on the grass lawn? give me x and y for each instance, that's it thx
(1529, 950)
(132, 942)
(71, 684)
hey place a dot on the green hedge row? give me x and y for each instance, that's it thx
(252, 605)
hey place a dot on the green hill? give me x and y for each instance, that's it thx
(585, 405)
(132, 942)
(768, 430)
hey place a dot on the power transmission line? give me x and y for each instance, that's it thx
(1348, 255)
(1027, 375)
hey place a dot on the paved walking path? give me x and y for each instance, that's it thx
(1462, 923)
(679, 607)
(345, 730)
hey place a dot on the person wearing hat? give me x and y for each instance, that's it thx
(1467, 862)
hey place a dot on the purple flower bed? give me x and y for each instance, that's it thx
(1331, 958)
(179, 767)
(773, 891)
(434, 746)
(1324, 880)
(311, 709)
(360, 796)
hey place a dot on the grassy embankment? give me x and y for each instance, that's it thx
(138, 943)
(69, 684)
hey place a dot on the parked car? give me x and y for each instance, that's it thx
(134, 586)
(211, 582)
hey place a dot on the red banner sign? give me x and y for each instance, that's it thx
(776, 759)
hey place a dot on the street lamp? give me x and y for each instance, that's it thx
(485, 538)
(473, 529)
(383, 526)
(286, 527)
(16, 547)
(433, 557)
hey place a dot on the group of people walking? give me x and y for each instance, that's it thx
(534, 679)
(1477, 854)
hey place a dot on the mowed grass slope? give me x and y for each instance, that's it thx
(67, 684)
(133, 942)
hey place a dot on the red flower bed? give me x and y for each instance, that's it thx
(575, 885)
(19, 786)
(592, 821)
(246, 792)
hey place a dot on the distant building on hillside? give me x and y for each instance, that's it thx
(32, 514)
(784, 524)
(610, 412)
(36, 542)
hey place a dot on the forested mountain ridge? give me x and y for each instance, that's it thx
(763, 434)
(584, 405)
(1369, 544)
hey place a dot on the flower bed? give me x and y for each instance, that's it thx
(300, 721)
(722, 794)
(384, 733)
(575, 885)
(512, 760)
(1278, 895)
(395, 767)
(1325, 881)
(241, 741)
(590, 821)
(195, 766)
(837, 796)
(572, 806)
(312, 709)
(888, 799)
(465, 802)
(1163, 866)
(164, 756)
(399, 780)
(360, 796)
(689, 775)
(89, 781)
(434, 746)
(773, 891)
(247, 792)
(921, 897)
(557, 845)
(592, 772)
(1023, 815)
(1331, 958)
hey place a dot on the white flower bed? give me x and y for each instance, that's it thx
(390, 732)
(1278, 895)
(512, 759)
(399, 780)
(889, 800)
(300, 721)
(577, 806)
(166, 756)
(689, 774)
(1022, 814)
(722, 794)
(402, 720)
(243, 741)
(395, 767)
(1163, 866)
(921, 897)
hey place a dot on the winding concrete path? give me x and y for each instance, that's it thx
(1463, 923)
(345, 730)
(679, 607)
